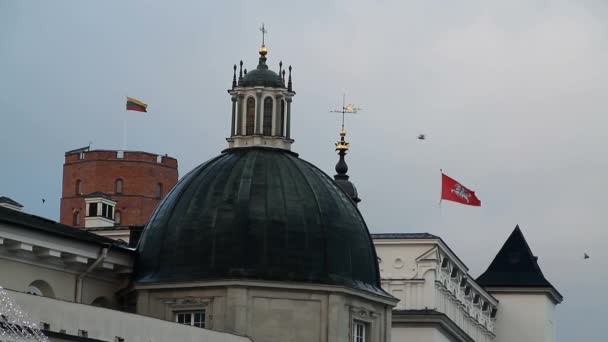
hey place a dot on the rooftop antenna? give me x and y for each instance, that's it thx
(346, 109)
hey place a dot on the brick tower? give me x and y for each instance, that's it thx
(104, 187)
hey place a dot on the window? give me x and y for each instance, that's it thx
(282, 132)
(194, 318)
(159, 190)
(250, 118)
(40, 288)
(33, 290)
(118, 186)
(117, 217)
(92, 209)
(78, 188)
(76, 219)
(359, 332)
(268, 116)
(104, 210)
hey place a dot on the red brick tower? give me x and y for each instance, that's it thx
(105, 187)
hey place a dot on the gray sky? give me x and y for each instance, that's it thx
(510, 93)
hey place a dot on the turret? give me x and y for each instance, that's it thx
(261, 106)
(527, 300)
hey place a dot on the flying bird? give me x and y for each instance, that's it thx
(585, 256)
(43, 200)
(421, 136)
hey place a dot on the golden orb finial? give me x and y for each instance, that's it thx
(263, 50)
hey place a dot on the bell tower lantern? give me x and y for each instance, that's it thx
(261, 105)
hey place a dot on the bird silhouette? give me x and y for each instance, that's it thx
(43, 200)
(421, 136)
(585, 256)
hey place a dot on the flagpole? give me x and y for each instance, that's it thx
(124, 129)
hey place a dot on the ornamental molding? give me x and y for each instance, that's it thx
(186, 302)
(362, 313)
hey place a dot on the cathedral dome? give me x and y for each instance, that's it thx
(262, 77)
(258, 214)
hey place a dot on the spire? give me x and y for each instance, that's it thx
(263, 49)
(234, 77)
(341, 177)
(515, 266)
(289, 83)
(240, 72)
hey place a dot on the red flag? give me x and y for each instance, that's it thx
(451, 190)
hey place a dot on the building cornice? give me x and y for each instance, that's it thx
(430, 318)
(555, 296)
(83, 161)
(269, 284)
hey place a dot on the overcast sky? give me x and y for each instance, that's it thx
(512, 95)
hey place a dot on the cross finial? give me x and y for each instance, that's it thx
(264, 31)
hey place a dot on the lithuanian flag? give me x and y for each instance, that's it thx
(136, 105)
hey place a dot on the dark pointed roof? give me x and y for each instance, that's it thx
(514, 266)
(10, 201)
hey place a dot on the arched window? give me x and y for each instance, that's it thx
(40, 288)
(282, 132)
(102, 302)
(250, 119)
(76, 219)
(118, 186)
(78, 188)
(268, 116)
(159, 190)
(117, 217)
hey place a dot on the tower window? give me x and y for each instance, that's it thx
(118, 186)
(282, 132)
(76, 219)
(159, 190)
(250, 118)
(78, 188)
(194, 318)
(92, 209)
(268, 116)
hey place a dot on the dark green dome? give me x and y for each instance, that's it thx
(262, 77)
(258, 214)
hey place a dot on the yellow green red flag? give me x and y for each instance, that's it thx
(136, 105)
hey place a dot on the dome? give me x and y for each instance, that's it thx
(262, 77)
(258, 213)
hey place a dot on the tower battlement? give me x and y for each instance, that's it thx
(135, 181)
(84, 154)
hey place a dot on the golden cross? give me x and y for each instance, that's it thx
(264, 31)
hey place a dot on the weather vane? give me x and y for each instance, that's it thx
(264, 31)
(342, 144)
(346, 109)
